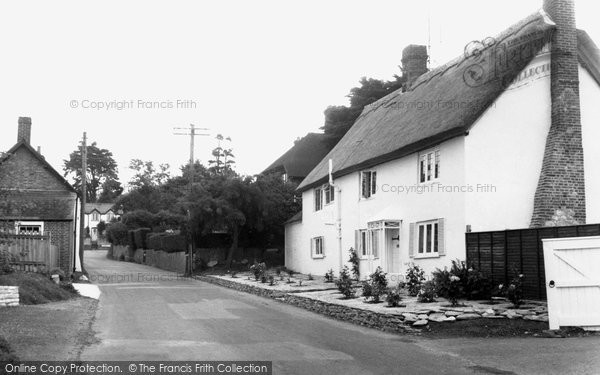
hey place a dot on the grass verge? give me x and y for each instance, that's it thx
(35, 288)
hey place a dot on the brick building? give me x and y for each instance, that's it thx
(36, 199)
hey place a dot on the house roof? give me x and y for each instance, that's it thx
(21, 144)
(101, 208)
(295, 219)
(443, 103)
(299, 160)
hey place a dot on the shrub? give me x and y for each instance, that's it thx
(427, 292)
(139, 219)
(441, 279)
(473, 284)
(344, 283)
(329, 276)
(455, 290)
(272, 280)
(59, 272)
(354, 261)
(6, 258)
(393, 297)
(131, 240)
(258, 269)
(376, 286)
(139, 237)
(478, 286)
(167, 242)
(116, 233)
(414, 278)
(514, 291)
(310, 276)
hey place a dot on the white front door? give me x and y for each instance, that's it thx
(573, 281)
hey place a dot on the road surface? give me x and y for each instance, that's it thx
(150, 314)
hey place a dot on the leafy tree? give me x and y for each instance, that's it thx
(111, 190)
(223, 157)
(101, 168)
(339, 119)
(146, 174)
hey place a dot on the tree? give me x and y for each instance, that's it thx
(339, 119)
(146, 174)
(223, 157)
(111, 190)
(101, 168)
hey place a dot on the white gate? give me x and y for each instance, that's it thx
(573, 281)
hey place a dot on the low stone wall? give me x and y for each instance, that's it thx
(9, 296)
(385, 322)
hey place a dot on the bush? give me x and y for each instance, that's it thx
(344, 283)
(514, 291)
(393, 298)
(259, 269)
(167, 242)
(329, 276)
(414, 278)
(59, 272)
(473, 284)
(376, 286)
(116, 233)
(354, 261)
(139, 237)
(131, 240)
(6, 258)
(441, 279)
(139, 219)
(427, 292)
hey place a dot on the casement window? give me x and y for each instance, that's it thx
(367, 243)
(30, 227)
(329, 193)
(429, 166)
(368, 183)
(95, 216)
(317, 247)
(427, 239)
(324, 195)
(318, 199)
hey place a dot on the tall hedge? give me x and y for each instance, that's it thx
(168, 242)
(139, 237)
(117, 233)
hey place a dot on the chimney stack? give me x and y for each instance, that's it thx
(24, 133)
(561, 186)
(414, 62)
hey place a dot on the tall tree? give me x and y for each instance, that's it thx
(339, 119)
(223, 161)
(101, 168)
(146, 174)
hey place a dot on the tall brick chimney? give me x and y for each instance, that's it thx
(414, 62)
(561, 188)
(24, 133)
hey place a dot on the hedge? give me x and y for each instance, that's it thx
(167, 242)
(131, 240)
(117, 233)
(139, 237)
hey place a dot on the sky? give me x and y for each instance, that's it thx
(261, 72)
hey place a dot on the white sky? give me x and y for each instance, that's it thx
(259, 71)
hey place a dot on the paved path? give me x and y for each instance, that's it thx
(150, 314)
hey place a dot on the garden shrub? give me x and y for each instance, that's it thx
(415, 276)
(259, 269)
(6, 258)
(514, 291)
(329, 276)
(139, 219)
(344, 283)
(116, 233)
(131, 240)
(441, 279)
(375, 286)
(393, 297)
(427, 292)
(473, 284)
(354, 261)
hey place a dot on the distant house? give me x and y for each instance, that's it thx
(503, 137)
(36, 200)
(296, 163)
(97, 212)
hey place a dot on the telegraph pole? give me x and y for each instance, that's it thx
(192, 133)
(83, 198)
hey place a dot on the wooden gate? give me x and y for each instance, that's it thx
(30, 251)
(573, 281)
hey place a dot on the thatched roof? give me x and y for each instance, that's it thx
(299, 160)
(441, 104)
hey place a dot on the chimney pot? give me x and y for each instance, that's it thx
(24, 132)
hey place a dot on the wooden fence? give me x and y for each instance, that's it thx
(30, 251)
(499, 254)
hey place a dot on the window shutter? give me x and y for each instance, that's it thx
(441, 238)
(357, 241)
(312, 247)
(411, 241)
(373, 182)
(364, 184)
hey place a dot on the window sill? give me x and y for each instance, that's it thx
(318, 256)
(425, 256)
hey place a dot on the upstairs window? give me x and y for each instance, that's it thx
(329, 193)
(95, 216)
(318, 199)
(368, 183)
(429, 166)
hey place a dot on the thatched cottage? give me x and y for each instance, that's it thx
(502, 137)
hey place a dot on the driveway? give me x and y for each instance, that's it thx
(149, 314)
